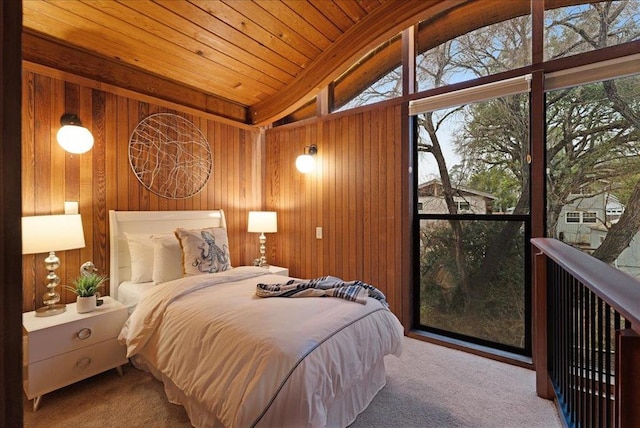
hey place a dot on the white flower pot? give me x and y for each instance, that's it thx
(86, 304)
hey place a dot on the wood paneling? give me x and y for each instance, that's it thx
(356, 194)
(102, 180)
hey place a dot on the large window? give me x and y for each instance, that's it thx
(472, 166)
(474, 223)
(593, 167)
(586, 27)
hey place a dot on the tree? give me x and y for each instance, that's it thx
(621, 233)
(497, 135)
(429, 124)
(597, 135)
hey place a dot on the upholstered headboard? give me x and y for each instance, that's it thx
(151, 222)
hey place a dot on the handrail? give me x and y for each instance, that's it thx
(617, 288)
(578, 302)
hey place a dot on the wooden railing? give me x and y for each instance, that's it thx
(586, 336)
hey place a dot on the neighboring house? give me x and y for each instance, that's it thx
(579, 216)
(582, 215)
(468, 201)
(585, 221)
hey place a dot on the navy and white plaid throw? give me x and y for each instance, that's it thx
(355, 291)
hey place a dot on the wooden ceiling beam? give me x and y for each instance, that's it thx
(380, 25)
(39, 49)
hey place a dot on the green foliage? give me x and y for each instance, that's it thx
(495, 309)
(86, 285)
(500, 183)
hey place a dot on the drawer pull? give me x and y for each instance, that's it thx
(83, 363)
(85, 333)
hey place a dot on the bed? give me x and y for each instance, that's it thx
(234, 359)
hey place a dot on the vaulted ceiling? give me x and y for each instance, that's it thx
(250, 61)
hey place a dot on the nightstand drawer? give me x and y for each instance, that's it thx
(53, 373)
(46, 343)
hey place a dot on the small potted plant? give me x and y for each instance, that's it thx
(86, 287)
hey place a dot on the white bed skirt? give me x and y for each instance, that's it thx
(341, 412)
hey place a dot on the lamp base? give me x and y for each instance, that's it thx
(260, 263)
(47, 311)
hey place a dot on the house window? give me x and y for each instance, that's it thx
(419, 206)
(464, 207)
(573, 217)
(581, 217)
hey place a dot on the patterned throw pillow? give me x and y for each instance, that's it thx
(204, 250)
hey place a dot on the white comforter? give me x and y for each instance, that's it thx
(237, 360)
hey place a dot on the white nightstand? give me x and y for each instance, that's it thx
(277, 270)
(63, 349)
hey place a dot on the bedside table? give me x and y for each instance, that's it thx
(66, 348)
(277, 270)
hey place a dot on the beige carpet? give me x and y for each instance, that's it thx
(429, 386)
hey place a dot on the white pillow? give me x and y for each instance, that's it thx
(141, 253)
(167, 258)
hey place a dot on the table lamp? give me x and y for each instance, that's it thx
(262, 222)
(47, 234)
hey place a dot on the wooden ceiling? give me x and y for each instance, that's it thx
(250, 61)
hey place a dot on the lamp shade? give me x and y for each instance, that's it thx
(305, 163)
(263, 222)
(72, 136)
(75, 139)
(45, 233)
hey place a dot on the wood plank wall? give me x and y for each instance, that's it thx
(356, 194)
(102, 180)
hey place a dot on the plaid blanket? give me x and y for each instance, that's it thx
(355, 291)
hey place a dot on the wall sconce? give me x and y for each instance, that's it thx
(307, 161)
(72, 136)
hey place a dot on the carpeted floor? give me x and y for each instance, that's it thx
(428, 386)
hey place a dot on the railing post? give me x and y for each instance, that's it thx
(627, 378)
(544, 388)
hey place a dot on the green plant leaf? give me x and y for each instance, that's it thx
(86, 285)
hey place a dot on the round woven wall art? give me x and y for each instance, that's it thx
(170, 156)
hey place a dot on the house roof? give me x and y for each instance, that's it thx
(251, 61)
(457, 189)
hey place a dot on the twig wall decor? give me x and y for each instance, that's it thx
(170, 156)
